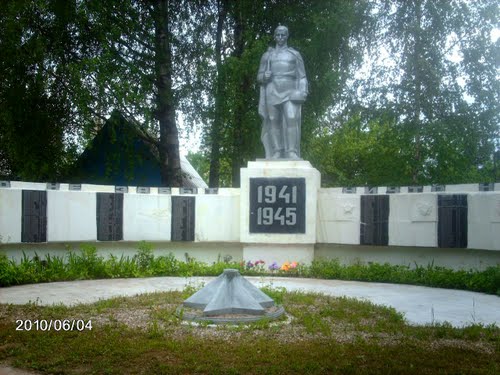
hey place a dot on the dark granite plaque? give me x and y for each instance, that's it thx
(34, 216)
(183, 218)
(277, 205)
(452, 220)
(374, 226)
(109, 215)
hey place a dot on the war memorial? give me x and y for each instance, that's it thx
(281, 213)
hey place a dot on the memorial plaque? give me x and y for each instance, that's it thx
(452, 221)
(277, 205)
(143, 190)
(371, 190)
(374, 226)
(164, 190)
(393, 189)
(109, 215)
(183, 218)
(487, 186)
(52, 186)
(415, 189)
(34, 217)
(349, 190)
(437, 188)
(185, 190)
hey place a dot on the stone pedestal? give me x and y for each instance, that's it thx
(278, 211)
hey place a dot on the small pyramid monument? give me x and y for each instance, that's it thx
(230, 293)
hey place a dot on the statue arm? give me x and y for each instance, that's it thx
(262, 68)
(301, 75)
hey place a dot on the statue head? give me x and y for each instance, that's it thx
(281, 35)
(281, 28)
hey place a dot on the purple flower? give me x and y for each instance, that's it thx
(274, 266)
(249, 264)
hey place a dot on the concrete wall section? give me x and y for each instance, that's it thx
(223, 217)
(279, 253)
(71, 216)
(338, 217)
(483, 222)
(146, 217)
(409, 256)
(10, 215)
(413, 220)
(28, 185)
(229, 191)
(217, 218)
(462, 188)
(99, 188)
(203, 252)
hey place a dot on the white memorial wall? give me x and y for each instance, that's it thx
(331, 216)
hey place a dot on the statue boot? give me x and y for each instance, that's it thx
(276, 144)
(291, 148)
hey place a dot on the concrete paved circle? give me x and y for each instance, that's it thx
(420, 305)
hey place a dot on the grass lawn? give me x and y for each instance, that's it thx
(320, 335)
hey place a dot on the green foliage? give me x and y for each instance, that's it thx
(319, 30)
(87, 264)
(7, 271)
(359, 154)
(400, 92)
(144, 257)
(35, 111)
(486, 281)
(277, 294)
(423, 87)
(201, 163)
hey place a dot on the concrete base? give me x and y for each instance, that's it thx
(280, 169)
(287, 243)
(202, 252)
(279, 253)
(456, 259)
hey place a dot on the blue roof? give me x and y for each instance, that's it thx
(119, 156)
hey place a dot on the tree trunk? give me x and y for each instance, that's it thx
(215, 133)
(237, 160)
(168, 148)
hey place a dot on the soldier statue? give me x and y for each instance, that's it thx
(283, 89)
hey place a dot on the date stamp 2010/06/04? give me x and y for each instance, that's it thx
(56, 325)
